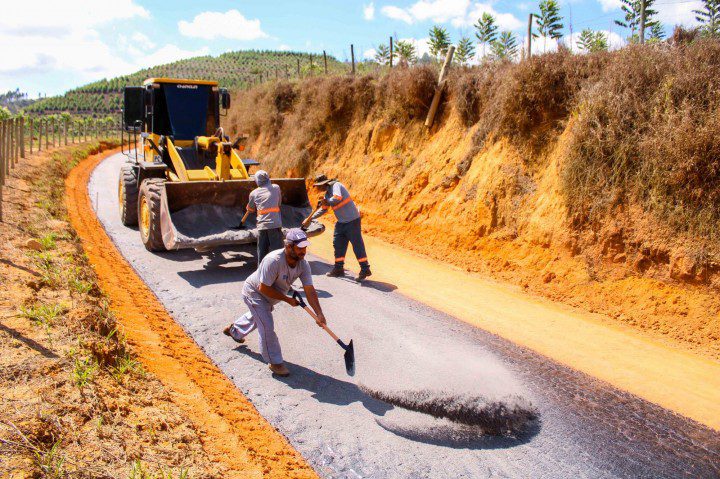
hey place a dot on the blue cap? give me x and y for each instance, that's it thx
(297, 237)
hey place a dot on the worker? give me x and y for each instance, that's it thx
(269, 285)
(347, 227)
(264, 201)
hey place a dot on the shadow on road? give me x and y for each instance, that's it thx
(447, 434)
(325, 389)
(320, 268)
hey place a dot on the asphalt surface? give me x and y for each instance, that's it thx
(586, 428)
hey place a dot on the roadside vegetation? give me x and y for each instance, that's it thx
(75, 401)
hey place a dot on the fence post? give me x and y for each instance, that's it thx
(325, 60)
(298, 67)
(16, 143)
(352, 57)
(440, 86)
(65, 129)
(2, 164)
(311, 65)
(391, 52)
(32, 132)
(22, 137)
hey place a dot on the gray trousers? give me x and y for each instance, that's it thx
(269, 240)
(259, 316)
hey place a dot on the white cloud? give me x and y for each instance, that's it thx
(396, 13)
(671, 14)
(284, 48)
(421, 45)
(439, 10)
(231, 24)
(505, 21)
(369, 11)
(460, 13)
(53, 18)
(369, 54)
(609, 5)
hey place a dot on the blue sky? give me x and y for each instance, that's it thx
(51, 46)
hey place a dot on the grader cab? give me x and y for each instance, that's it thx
(185, 183)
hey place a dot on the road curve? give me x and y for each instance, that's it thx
(587, 428)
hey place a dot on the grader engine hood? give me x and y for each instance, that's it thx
(208, 213)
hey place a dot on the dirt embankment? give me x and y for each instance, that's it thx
(97, 380)
(592, 180)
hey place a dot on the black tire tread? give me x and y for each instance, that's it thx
(150, 191)
(129, 208)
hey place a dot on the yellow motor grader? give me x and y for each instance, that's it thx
(185, 183)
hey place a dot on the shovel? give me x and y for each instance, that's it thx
(349, 349)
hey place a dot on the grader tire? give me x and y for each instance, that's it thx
(128, 195)
(149, 214)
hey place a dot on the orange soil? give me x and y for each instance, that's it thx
(235, 433)
(505, 216)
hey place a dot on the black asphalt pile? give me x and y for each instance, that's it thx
(509, 416)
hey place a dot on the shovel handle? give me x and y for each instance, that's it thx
(309, 310)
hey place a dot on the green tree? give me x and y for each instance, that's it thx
(591, 41)
(4, 113)
(657, 33)
(439, 42)
(631, 20)
(382, 54)
(406, 52)
(505, 47)
(709, 17)
(486, 30)
(548, 21)
(465, 51)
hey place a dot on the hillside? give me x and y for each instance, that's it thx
(590, 179)
(233, 70)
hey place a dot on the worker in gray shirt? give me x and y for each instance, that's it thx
(264, 201)
(347, 228)
(269, 285)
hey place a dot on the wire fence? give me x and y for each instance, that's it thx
(22, 136)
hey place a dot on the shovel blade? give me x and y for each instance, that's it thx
(350, 359)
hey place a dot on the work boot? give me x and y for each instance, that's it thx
(337, 272)
(226, 332)
(279, 370)
(364, 273)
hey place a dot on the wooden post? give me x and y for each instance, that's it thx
(2, 164)
(40, 124)
(32, 133)
(352, 57)
(22, 137)
(391, 51)
(47, 131)
(298, 67)
(65, 130)
(529, 36)
(440, 87)
(325, 60)
(311, 65)
(16, 141)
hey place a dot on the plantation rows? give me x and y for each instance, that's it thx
(233, 70)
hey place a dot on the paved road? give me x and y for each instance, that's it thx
(587, 428)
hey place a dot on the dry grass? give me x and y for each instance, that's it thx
(644, 121)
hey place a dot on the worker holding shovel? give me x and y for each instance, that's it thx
(347, 228)
(269, 285)
(264, 201)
